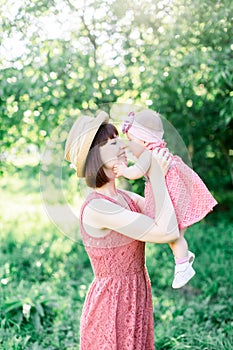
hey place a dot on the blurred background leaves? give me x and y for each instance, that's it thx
(62, 57)
(59, 59)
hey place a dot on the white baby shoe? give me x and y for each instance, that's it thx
(183, 272)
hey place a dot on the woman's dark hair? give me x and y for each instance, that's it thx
(94, 172)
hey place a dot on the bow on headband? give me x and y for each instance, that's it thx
(128, 122)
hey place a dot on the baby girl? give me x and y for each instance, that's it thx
(191, 199)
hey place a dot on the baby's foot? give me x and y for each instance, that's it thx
(183, 272)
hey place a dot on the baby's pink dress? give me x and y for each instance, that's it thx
(117, 313)
(191, 198)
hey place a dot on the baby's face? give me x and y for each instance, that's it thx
(136, 146)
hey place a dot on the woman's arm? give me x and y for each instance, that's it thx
(101, 215)
(164, 210)
(132, 172)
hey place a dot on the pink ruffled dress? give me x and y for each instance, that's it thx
(191, 198)
(117, 313)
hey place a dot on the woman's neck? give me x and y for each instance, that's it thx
(109, 189)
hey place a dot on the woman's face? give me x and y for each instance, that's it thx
(113, 152)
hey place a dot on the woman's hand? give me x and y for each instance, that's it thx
(163, 158)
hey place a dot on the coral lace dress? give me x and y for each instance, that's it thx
(190, 197)
(117, 313)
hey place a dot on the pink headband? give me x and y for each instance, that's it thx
(140, 131)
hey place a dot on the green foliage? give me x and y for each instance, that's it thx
(33, 308)
(44, 278)
(43, 275)
(172, 56)
(198, 316)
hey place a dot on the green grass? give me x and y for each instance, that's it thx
(200, 315)
(44, 277)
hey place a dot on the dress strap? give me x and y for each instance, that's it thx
(93, 195)
(132, 204)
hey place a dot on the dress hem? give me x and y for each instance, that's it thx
(197, 219)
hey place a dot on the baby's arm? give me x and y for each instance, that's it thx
(132, 172)
(137, 170)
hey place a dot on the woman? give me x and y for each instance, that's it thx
(118, 313)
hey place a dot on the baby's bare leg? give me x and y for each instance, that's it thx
(183, 261)
(180, 246)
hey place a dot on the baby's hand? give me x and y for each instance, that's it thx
(163, 158)
(119, 169)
